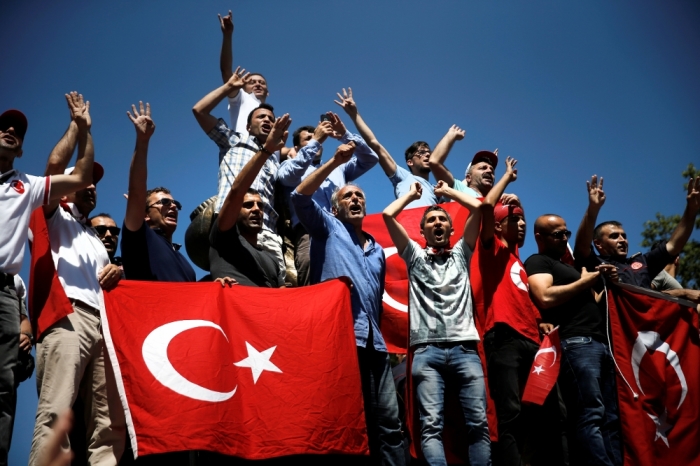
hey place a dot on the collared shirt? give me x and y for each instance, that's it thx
(638, 269)
(336, 251)
(402, 181)
(461, 186)
(294, 171)
(20, 194)
(148, 255)
(234, 153)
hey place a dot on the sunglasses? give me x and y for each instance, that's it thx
(101, 230)
(165, 202)
(560, 234)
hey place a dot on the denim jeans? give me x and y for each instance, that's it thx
(588, 385)
(432, 368)
(9, 353)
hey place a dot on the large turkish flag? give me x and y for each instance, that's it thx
(244, 371)
(656, 346)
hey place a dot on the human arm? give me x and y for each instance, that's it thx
(690, 295)
(26, 337)
(683, 230)
(292, 170)
(226, 57)
(584, 235)
(234, 199)
(138, 171)
(471, 229)
(109, 276)
(398, 233)
(547, 295)
(440, 153)
(386, 161)
(312, 182)
(495, 194)
(202, 109)
(365, 158)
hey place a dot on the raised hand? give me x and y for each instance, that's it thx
(596, 195)
(278, 134)
(511, 171)
(344, 152)
(337, 124)
(694, 194)
(323, 130)
(142, 120)
(416, 191)
(226, 23)
(347, 102)
(442, 189)
(456, 132)
(239, 78)
(79, 110)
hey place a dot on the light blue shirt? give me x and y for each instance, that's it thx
(461, 186)
(402, 181)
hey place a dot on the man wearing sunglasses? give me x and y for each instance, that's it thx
(108, 232)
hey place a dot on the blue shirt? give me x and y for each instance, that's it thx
(336, 252)
(148, 255)
(402, 181)
(461, 186)
(294, 171)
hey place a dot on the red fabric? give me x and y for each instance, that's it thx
(499, 284)
(48, 302)
(656, 345)
(545, 370)
(312, 403)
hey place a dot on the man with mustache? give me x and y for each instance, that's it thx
(108, 232)
(236, 149)
(610, 239)
(443, 334)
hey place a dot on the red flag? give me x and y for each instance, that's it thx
(48, 302)
(545, 369)
(244, 371)
(657, 349)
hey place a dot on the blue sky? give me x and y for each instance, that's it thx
(568, 88)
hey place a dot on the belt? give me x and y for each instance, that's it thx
(7, 279)
(449, 344)
(84, 306)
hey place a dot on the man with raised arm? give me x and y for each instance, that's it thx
(417, 156)
(148, 251)
(307, 141)
(236, 149)
(20, 195)
(443, 333)
(235, 256)
(340, 248)
(509, 323)
(565, 298)
(72, 358)
(610, 239)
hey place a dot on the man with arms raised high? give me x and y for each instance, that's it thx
(443, 333)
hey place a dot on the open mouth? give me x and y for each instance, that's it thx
(439, 233)
(172, 217)
(266, 128)
(356, 209)
(9, 138)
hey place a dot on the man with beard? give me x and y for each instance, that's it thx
(236, 149)
(148, 251)
(108, 231)
(509, 323)
(71, 354)
(443, 333)
(417, 156)
(610, 239)
(339, 248)
(235, 256)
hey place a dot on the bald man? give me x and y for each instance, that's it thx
(564, 297)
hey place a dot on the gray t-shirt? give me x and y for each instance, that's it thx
(440, 305)
(664, 281)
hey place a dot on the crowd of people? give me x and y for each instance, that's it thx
(285, 217)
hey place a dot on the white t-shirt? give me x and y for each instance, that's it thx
(239, 108)
(20, 194)
(79, 257)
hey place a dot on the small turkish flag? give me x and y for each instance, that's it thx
(244, 371)
(545, 370)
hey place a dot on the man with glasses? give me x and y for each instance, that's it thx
(587, 381)
(148, 251)
(610, 239)
(108, 232)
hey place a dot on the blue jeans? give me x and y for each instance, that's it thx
(459, 364)
(588, 385)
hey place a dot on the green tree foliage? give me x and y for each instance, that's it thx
(661, 228)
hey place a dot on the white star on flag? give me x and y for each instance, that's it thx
(258, 361)
(537, 370)
(662, 426)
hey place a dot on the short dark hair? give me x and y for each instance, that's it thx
(254, 192)
(265, 106)
(433, 208)
(413, 148)
(102, 214)
(259, 74)
(297, 134)
(597, 231)
(158, 189)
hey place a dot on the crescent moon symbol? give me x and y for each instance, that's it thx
(551, 349)
(388, 252)
(652, 341)
(155, 355)
(515, 276)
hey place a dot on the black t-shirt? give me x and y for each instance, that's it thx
(639, 269)
(579, 316)
(230, 255)
(148, 255)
